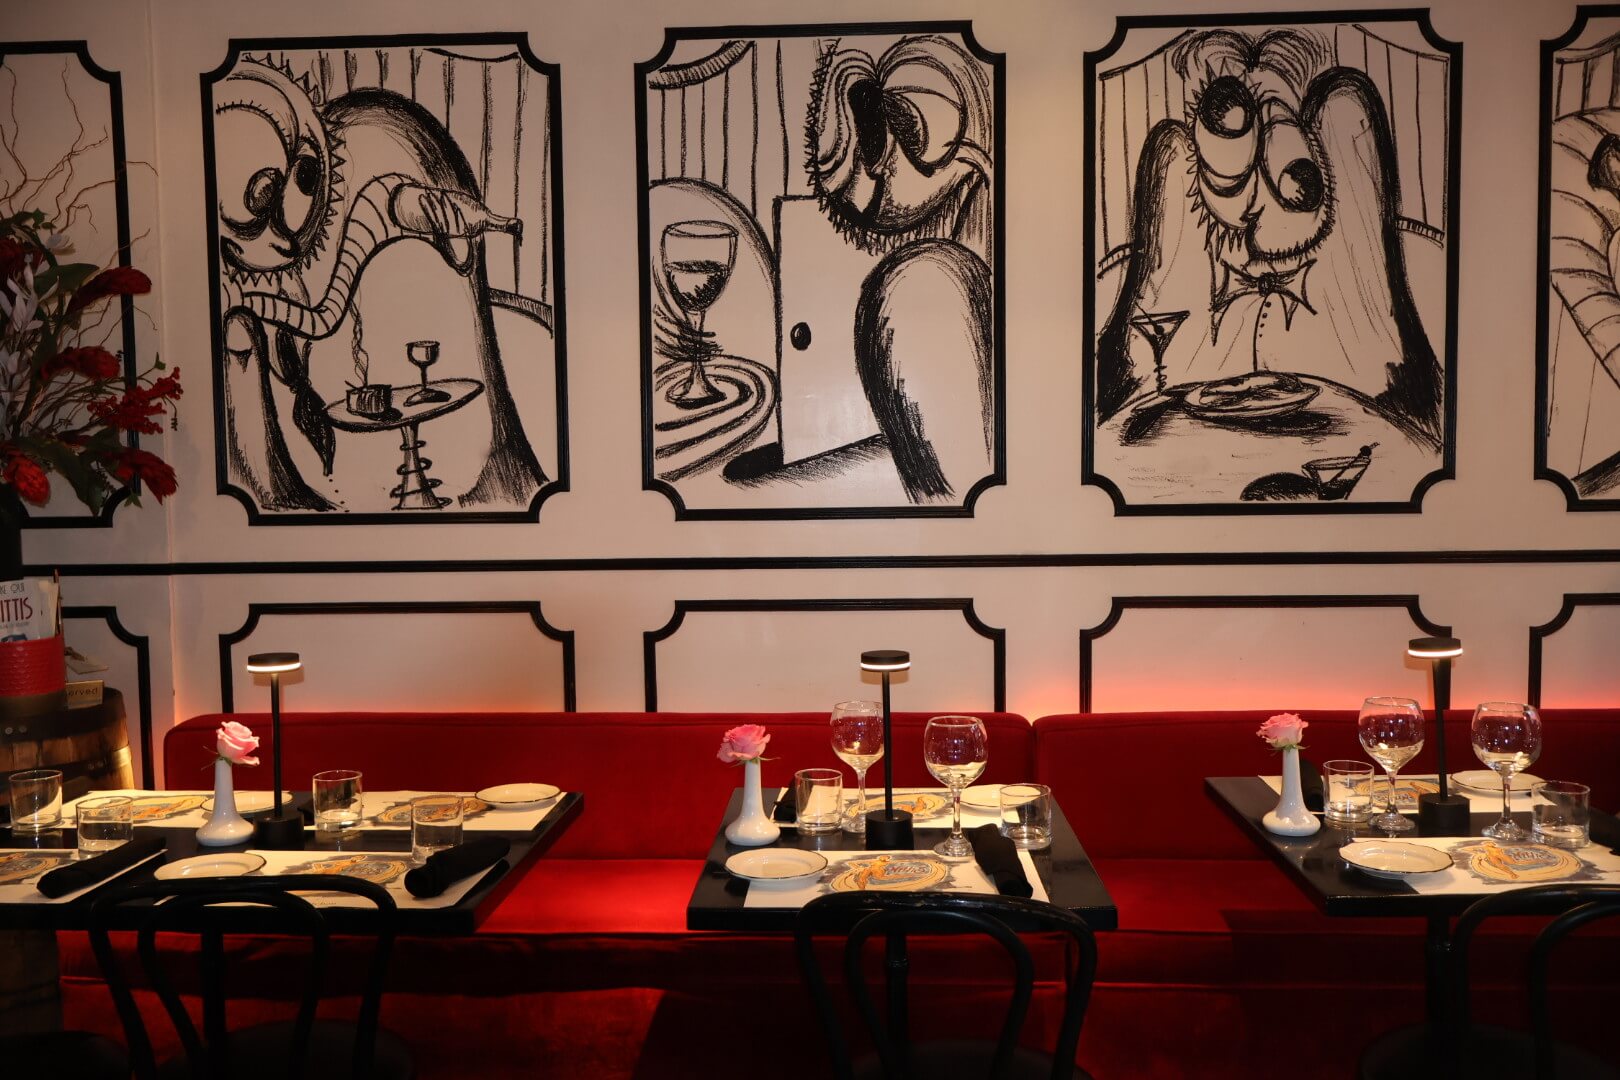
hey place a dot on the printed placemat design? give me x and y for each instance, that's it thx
(1406, 791)
(379, 869)
(400, 813)
(1491, 861)
(921, 805)
(17, 867)
(891, 873)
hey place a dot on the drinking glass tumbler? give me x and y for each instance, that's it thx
(337, 795)
(1026, 815)
(1346, 792)
(36, 800)
(435, 824)
(1561, 814)
(819, 797)
(104, 823)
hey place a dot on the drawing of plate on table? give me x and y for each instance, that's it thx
(983, 797)
(219, 864)
(379, 868)
(920, 805)
(252, 802)
(17, 867)
(777, 866)
(896, 872)
(1253, 395)
(519, 796)
(145, 809)
(1406, 791)
(1394, 859)
(1495, 861)
(1487, 782)
(400, 813)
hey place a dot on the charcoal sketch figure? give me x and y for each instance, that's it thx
(1264, 339)
(1579, 424)
(821, 250)
(358, 242)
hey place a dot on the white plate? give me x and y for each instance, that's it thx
(519, 796)
(253, 802)
(983, 797)
(777, 866)
(1487, 782)
(1393, 859)
(224, 864)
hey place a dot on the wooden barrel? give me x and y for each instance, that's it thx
(89, 746)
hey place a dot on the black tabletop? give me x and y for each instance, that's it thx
(717, 902)
(463, 917)
(1314, 864)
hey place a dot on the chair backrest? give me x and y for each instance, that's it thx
(1574, 906)
(861, 916)
(194, 906)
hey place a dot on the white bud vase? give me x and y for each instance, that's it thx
(752, 828)
(1291, 818)
(224, 825)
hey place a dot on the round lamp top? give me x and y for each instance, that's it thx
(270, 663)
(885, 660)
(1434, 648)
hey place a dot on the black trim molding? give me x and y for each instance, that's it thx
(1539, 634)
(143, 678)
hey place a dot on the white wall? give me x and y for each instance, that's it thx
(1492, 554)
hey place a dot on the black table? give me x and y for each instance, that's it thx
(717, 902)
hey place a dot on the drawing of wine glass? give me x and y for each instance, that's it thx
(697, 259)
(1158, 327)
(424, 354)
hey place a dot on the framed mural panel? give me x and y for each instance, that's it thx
(1271, 325)
(385, 218)
(1578, 345)
(821, 270)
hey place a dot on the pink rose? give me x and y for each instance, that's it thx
(746, 742)
(1283, 731)
(235, 742)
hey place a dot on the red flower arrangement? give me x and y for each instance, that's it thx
(68, 407)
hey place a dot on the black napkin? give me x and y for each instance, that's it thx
(787, 808)
(444, 868)
(1310, 785)
(1605, 830)
(81, 875)
(998, 858)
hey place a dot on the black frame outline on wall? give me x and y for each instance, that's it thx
(1572, 497)
(1448, 454)
(998, 474)
(531, 608)
(1539, 634)
(115, 99)
(997, 637)
(553, 73)
(143, 677)
(1120, 604)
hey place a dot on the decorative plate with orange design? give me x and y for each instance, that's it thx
(400, 813)
(378, 869)
(17, 867)
(894, 872)
(1520, 863)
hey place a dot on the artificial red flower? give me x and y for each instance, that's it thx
(131, 411)
(114, 281)
(29, 480)
(149, 469)
(91, 361)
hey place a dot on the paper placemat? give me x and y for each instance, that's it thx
(392, 810)
(937, 874)
(171, 809)
(1478, 802)
(21, 869)
(935, 818)
(1480, 865)
(385, 868)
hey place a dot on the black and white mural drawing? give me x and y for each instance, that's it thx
(822, 316)
(1272, 315)
(1578, 376)
(389, 338)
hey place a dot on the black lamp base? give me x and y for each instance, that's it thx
(1443, 816)
(889, 830)
(279, 833)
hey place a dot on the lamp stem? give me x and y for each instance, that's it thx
(1442, 702)
(888, 753)
(275, 737)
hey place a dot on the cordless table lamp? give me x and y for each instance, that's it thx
(275, 831)
(887, 829)
(1441, 813)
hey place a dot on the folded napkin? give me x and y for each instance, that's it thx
(1605, 830)
(444, 868)
(1310, 785)
(998, 858)
(787, 807)
(81, 875)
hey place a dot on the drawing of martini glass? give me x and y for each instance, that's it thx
(1158, 327)
(697, 257)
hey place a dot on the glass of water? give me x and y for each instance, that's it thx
(336, 794)
(104, 824)
(435, 825)
(1561, 814)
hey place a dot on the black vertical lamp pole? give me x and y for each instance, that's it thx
(1441, 813)
(887, 829)
(276, 831)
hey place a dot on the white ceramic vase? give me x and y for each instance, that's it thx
(224, 825)
(752, 827)
(1290, 818)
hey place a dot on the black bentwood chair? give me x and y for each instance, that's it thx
(1461, 1048)
(892, 917)
(301, 1049)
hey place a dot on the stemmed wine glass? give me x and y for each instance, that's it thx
(697, 257)
(857, 739)
(956, 749)
(424, 354)
(1391, 731)
(1507, 738)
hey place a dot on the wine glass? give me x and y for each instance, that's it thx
(697, 257)
(1507, 738)
(424, 354)
(857, 739)
(956, 749)
(1391, 731)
